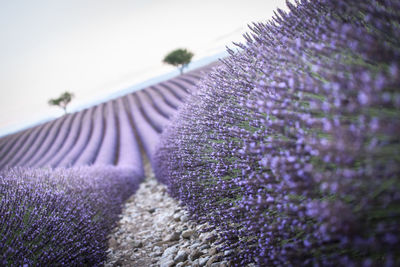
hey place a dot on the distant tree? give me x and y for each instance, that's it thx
(179, 58)
(62, 101)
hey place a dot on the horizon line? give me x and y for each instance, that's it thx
(118, 93)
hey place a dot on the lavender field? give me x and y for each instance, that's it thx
(289, 149)
(62, 183)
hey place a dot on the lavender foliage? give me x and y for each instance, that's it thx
(157, 120)
(108, 150)
(129, 151)
(159, 103)
(12, 148)
(81, 143)
(68, 143)
(57, 144)
(45, 146)
(292, 148)
(148, 136)
(88, 155)
(60, 216)
(30, 152)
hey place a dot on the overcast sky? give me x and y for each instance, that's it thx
(93, 47)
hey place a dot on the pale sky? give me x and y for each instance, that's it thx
(95, 47)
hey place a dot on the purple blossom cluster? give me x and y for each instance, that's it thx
(291, 149)
(60, 216)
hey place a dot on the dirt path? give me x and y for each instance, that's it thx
(155, 231)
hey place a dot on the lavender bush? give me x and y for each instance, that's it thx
(171, 99)
(60, 137)
(45, 146)
(30, 152)
(148, 136)
(129, 150)
(12, 148)
(81, 142)
(175, 89)
(158, 121)
(70, 139)
(107, 153)
(88, 155)
(291, 149)
(60, 216)
(159, 103)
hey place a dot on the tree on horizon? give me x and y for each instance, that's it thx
(180, 58)
(62, 101)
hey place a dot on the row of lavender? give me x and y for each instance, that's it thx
(291, 149)
(62, 183)
(102, 134)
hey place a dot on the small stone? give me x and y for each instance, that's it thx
(137, 244)
(154, 254)
(119, 262)
(195, 254)
(177, 217)
(168, 263)
(184, 218)
(212, 260)
(168, 256)
(228, 252)
(200, 227)
(212, 251)
(224, 264)
(205, 246)
(195, 245)
(170, 251)
(187, 234)
(112, 242)
(173, 237)
(181, 256)
(177, 210)
(208, 237)
(152, 210)
(185, 245)
(203, 261)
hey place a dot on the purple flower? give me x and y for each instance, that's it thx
(290, 148)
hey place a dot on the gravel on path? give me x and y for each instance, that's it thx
(154, 230)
